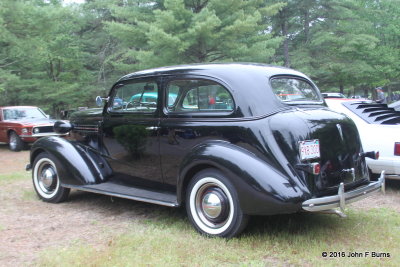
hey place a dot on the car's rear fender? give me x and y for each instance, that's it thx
(78, 165)
(261, 188)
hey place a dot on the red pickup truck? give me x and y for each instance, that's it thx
(20, 125)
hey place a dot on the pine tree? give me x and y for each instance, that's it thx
(177, 32)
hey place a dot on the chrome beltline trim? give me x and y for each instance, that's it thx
(343, 198)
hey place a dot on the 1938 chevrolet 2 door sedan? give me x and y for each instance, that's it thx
(225, 140)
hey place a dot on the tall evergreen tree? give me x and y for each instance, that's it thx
(44, 56)
(178, 31)
(60, 56)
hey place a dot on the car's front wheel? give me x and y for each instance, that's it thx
(14, 142)
(212, 205)
(46, 181)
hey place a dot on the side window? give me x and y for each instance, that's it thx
(195, 95)
(135, 97)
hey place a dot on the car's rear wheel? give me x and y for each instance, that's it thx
(212, 205)
(14, 142)
(46, 181)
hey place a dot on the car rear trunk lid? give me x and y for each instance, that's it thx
(339, 146)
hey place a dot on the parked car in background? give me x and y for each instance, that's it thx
(333, 95)
(359, 97)
(379, 128)
(228, 145)
(395, 105)
(20, 125)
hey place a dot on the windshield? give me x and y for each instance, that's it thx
(23, 114)
(292, 90)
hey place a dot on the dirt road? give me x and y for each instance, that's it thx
(30, 227)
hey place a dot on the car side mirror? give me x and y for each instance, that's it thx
(99, 100)
(62, 127)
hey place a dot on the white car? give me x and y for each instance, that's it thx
(333, 95)
(379, 128)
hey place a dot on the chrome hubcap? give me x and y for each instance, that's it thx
(212, 205)
(13, 141)
(47, 178)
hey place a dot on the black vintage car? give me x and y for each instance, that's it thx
(226, 140)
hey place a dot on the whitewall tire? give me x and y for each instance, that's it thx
(212, 205)
(46, 181)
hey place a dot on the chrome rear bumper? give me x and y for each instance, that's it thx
(342, 198)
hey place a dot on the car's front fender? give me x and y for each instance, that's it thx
(261, 188)
(77, 164)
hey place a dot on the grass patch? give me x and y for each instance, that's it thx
(14, 176)
(29, 195)
(297, 239)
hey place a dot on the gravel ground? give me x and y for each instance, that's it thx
(28, 226)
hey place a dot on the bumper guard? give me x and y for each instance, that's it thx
(327, 204)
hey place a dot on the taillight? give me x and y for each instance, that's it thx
(397, 149)
(316, 168)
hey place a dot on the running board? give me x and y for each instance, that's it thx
(129, 192)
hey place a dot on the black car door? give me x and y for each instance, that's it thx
(192, 113)
(130, 131)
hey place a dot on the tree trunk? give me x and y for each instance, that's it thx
(366, 92)
(306, 25)
(286, 39)
(341, 87)
(373, 95)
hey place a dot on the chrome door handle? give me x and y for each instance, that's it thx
(152, 128)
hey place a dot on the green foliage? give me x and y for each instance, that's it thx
(61, 56)
(179, 32)
(42, 56)
(341, 43)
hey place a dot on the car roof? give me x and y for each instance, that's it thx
(337, 99)
(332, 93)
(247, 82)
(214, 68)
(16, 107)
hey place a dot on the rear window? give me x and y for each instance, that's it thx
(293, 90)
